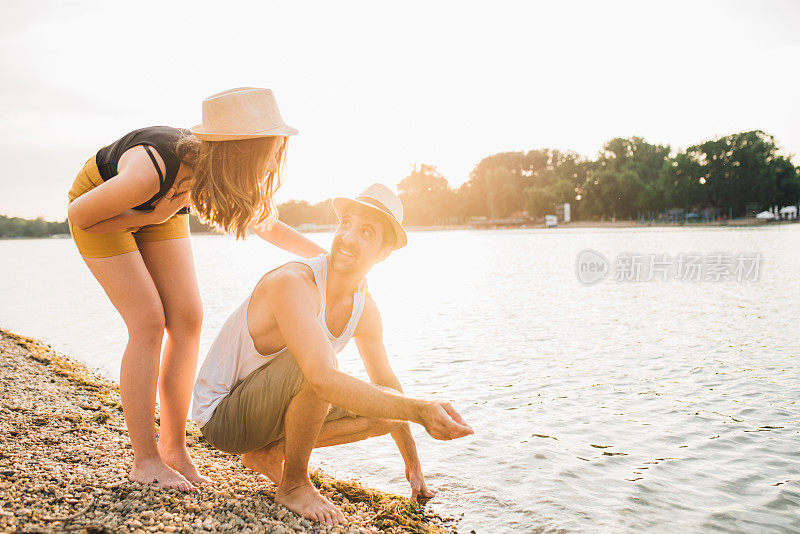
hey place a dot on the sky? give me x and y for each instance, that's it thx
(375, 87)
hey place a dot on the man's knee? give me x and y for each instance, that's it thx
(308, 396)
(379, 427)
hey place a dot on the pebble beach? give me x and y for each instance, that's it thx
(65, 455)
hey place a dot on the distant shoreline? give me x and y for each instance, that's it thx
(486, 225)
(500, 225)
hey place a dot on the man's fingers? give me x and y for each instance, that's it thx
(461, 431)
(453, 431)
(453, 413)
(447, 424)
(457, 430)
(456, 423)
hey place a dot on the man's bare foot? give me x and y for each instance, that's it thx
(159, 474)
(180, 461)
(306, 501)
(267, 461)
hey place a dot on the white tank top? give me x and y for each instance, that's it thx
(233, 354)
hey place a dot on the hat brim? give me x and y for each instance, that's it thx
(340, 203)
(205, 135)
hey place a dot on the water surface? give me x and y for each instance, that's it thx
(621, 406)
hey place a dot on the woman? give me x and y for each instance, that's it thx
(128, 216)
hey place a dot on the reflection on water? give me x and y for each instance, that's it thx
(613, 407)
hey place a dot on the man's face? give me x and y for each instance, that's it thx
(358, 242)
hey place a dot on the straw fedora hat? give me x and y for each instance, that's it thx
(380, 198)
(241, 113)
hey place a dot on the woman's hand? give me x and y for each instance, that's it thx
(168, 206)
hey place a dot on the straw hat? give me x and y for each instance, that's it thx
(379, 198)
(241, 113)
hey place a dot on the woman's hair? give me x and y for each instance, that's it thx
(232, 186)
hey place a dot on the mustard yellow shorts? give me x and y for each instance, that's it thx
(125, 239)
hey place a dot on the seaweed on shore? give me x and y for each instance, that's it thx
(390, 510)
(105, 391)
(87, 441)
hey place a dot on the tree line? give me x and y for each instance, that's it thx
(17, 227)
(629, 178)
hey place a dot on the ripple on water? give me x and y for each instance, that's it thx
(668, 407)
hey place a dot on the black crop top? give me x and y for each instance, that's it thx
(163, 139)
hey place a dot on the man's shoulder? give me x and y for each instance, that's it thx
(294, 270)
(292, 278)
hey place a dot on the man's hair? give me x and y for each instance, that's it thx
(389, 235)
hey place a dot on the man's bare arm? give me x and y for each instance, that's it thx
(369, 339)
(292, 296)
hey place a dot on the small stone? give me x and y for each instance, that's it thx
(134, 523)
(166, 517)
(147, 515)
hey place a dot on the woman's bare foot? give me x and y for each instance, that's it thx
(180, 461)
(267, 461)
(306, 501)
(159, 474)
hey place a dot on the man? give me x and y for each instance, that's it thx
(270, 389)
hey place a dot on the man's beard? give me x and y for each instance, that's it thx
(343, 263)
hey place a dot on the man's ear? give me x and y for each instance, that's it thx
(384, 253)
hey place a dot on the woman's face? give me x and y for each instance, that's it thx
(272, 165)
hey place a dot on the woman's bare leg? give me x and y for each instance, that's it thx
(131, 290)
(172, 269)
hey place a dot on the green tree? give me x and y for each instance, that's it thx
(733, 170)
(426, 195)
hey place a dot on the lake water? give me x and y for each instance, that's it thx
(621, 406)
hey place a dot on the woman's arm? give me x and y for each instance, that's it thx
(284, 236)
(126, 219)
(164, 209)
(136, 183)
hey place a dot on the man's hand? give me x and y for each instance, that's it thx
(419, 491)
(443, 422)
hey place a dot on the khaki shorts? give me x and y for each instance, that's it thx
(251, 416)
(122, 240)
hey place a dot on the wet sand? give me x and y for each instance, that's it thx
(65, 455)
